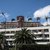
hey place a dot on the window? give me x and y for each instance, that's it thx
(46, 30)
(47, 35)
(11, 36)
(12, 31)
(7, 32)
(2, 32)
(6, 36)
(35, 30)
(39, 35)
(39, 30)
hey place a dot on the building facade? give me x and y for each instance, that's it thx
(9, 29)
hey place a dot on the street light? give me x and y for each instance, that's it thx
(5, 44)
(5, 21)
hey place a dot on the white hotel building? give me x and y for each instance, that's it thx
(41, 32)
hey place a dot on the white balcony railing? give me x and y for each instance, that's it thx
(40, 38)
(43, 43)
(37, 33)
(10, 39)
(9, 34)
(41, 33)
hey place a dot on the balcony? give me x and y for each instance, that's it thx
(10, 39)
(40, 38)
(9, 34)
(43, 43)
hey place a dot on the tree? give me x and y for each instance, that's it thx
(13, 19)
(6, 47)
(46, 18)
(38, 18)
(24, 38)
(1, 41)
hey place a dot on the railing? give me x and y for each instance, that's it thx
(43, 43)
(10, 39)
(40, 38)
(9, 34)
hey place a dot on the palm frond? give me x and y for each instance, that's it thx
(24, 36)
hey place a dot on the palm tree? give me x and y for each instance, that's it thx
(24, 38)
(1, 36)
(1, 41)
(46, 18)
(6, 47)
(12, 19)
(38, 18)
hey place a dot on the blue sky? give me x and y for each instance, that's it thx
(21, 7)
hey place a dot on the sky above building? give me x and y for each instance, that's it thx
(26, 8)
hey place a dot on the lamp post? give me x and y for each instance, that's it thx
(5, 21)
(5, 42)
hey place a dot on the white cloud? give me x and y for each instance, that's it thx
(6, 15)
(26, 19)
(44, 24)
(1, 14)
(43, 12)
